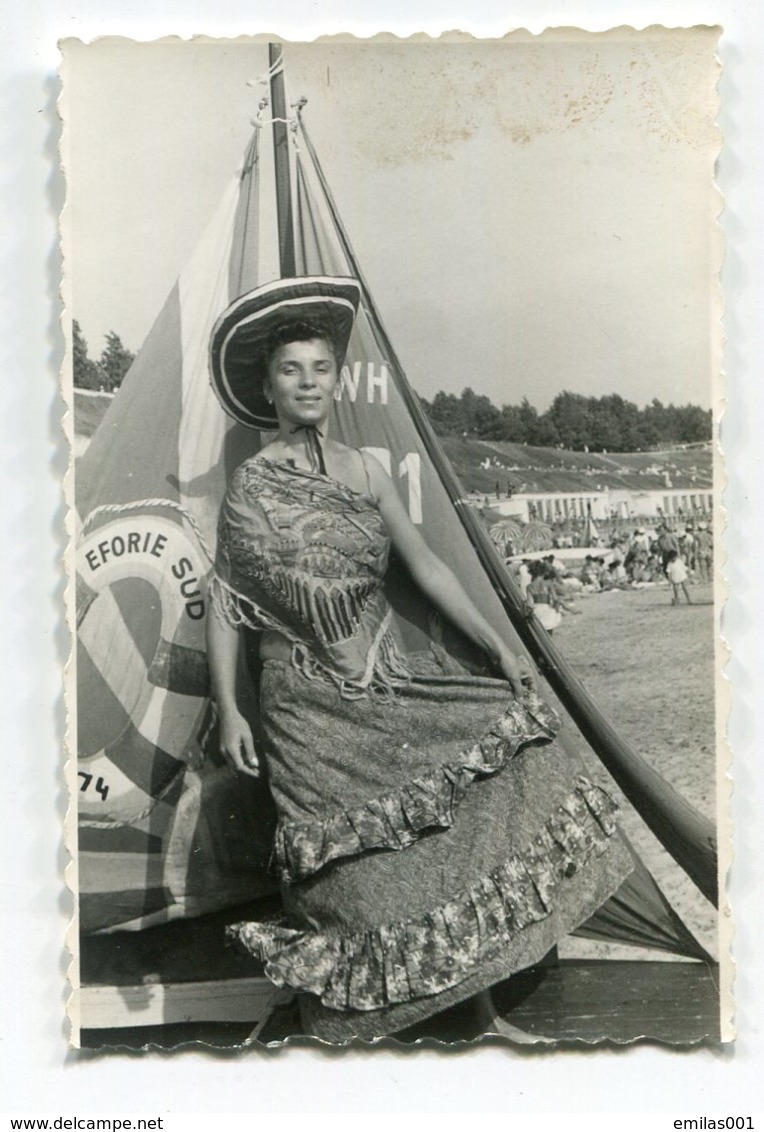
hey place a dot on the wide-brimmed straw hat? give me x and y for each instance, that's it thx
(240, 337)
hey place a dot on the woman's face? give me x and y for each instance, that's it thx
(302, 377)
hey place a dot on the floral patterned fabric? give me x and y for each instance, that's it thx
(421, 957)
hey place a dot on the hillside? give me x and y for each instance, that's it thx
(555, 469)
(89, 410)
(526, 468)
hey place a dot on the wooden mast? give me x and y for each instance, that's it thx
(281, 160)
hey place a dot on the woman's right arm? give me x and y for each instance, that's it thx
(236, 742)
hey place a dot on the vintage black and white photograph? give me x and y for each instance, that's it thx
(394, 380)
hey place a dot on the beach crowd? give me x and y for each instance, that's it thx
(646, 558)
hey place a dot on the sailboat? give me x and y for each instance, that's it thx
(170, 839)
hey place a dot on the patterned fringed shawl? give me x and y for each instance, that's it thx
(306, 556)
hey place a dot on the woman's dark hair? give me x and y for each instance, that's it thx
(292, 331)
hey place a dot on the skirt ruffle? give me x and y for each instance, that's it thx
(396, 819)
(430, 846)
(397, 962)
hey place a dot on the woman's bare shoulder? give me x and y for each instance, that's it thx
(350, 464)
(245, 475)
(268, 454)
(342, 451)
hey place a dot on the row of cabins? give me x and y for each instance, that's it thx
(610, 503)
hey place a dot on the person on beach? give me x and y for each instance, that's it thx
(432, 838)
(667, 545)
(562, 588)
(687, 548)
(521, 574)
(540, 593)
(615, 577)
(590, 578)
(642, 539)
(704, 552)
(676, 572)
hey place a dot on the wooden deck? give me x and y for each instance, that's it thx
(180, 983)
(587, 1001)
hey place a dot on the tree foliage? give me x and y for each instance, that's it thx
(596, 424)
(86, 375)
(105, 374)
(115, 362)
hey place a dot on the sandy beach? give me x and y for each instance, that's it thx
(650, 667)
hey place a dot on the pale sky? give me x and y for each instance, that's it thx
(532, 215)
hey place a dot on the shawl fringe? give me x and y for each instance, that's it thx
(412, 959)
(397, 819)
(386, 667)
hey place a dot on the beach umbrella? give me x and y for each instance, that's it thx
(507, 531)
(537, 536)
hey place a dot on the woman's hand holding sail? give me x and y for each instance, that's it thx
(517, 670)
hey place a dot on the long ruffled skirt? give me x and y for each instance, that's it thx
(430, 845)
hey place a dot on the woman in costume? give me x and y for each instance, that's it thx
(432, 840)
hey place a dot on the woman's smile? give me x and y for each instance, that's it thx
(302, 377)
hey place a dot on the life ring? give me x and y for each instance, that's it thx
(140, 708)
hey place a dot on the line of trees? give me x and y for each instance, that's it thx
(593, 424)
(106, 373)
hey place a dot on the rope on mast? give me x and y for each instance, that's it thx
(276, 67)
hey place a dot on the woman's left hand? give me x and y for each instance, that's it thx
(517, 671)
